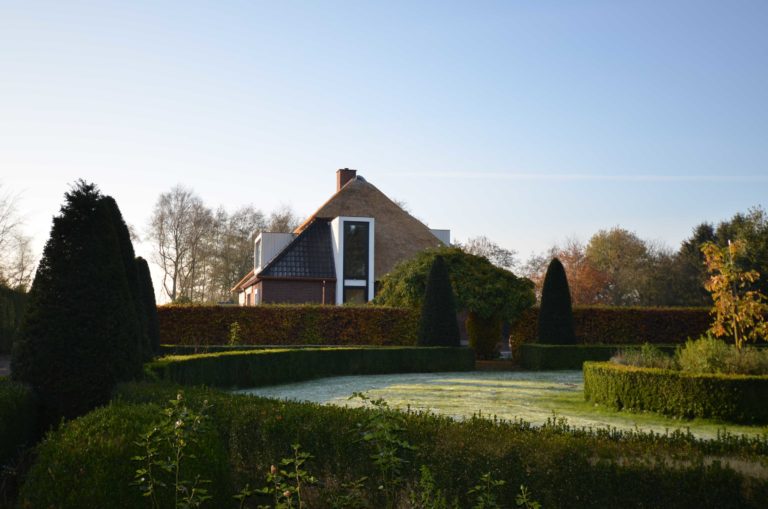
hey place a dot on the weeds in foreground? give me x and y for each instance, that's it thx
(166, 450)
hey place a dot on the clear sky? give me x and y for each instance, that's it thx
(525, 121)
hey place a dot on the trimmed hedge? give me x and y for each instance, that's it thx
(536, 356)
(732, 398)
(623, 325)
(87, 462)
(274, 366)
(12, 305)
(18, 418)
(289, 325)
(562, 467)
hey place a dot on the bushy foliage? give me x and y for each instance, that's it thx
(732, 398)
(272, 366)
(622, 325)
(479, 286)
(87, 463)
(647, 356)
(80, 335)
(289, 325)
(484, 335)
(555, 312)
(712, 355)
(438, 326)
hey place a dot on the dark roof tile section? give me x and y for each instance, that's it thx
(309, 255)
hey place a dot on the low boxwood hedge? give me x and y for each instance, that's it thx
(87, 463)
(538, 356)
(253, 368)
(18, 418)
(732, 398)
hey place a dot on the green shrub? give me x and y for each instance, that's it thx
(712, 355)
(289, 325)
(647, 356)
(561, 466)
(253, 368)
(484, 335)
(622, 325)
(438, 326)
(732, 398)
(556, 313)
(88, 461)
(18, 418)
(80, 335)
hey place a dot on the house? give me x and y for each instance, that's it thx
(339, 253)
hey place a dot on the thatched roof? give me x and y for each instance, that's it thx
(398, 235)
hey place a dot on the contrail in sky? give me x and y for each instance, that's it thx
(584, 177)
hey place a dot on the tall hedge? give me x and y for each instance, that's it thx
(18, 419)
(289, 325)
(12, 304)
(556, 313)
(438, 326)
(622, 325)
(148, 305)
(80, 333)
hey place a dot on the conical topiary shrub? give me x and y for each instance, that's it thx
(556, 313)
(438, 326)
(80, 335)
(149, 305)
(131, 270)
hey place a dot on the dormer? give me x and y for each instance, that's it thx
(268, 245)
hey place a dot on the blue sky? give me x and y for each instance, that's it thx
(527, 122)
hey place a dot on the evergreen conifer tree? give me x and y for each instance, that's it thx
(149, 304)
(438, 325)
(79, 333)
(129, 262)
(556, 312)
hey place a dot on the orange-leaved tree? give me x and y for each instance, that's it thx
(739, 311)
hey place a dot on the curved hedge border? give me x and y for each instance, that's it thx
(733, 398)
(253, 368)
(622, 325)
(86, 463)
(289, 325)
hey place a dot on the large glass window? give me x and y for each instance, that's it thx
(355, 250)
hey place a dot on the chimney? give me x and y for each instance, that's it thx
(343, 176)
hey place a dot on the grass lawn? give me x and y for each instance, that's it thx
(533, 396)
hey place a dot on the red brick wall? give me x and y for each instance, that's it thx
(296, 292)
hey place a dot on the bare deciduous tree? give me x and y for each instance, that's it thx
(202, 253)
(178, 225)
(497, 255)
(16, 260)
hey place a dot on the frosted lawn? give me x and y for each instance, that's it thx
(531, 396)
